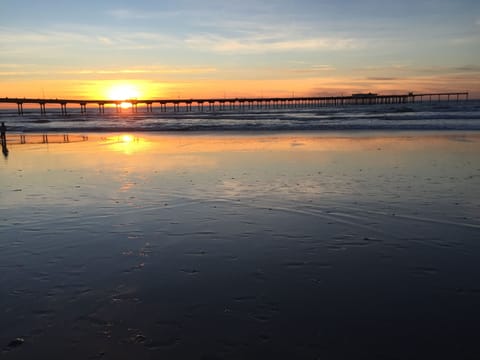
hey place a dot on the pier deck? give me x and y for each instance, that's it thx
(223, 104)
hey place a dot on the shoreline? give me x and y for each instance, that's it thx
(317, 132)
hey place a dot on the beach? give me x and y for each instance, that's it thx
(238, 245)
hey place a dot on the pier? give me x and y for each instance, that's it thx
(230, 104)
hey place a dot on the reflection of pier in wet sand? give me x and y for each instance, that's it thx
(241, 104)
(20, 139)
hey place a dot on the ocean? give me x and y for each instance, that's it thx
(463, 115)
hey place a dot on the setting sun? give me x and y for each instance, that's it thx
(123, 92)
(127, 138)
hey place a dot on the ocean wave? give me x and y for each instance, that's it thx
(448, 116)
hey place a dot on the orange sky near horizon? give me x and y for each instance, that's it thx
(144, 89)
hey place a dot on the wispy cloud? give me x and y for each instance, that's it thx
(124, 14)
(264, 44)
(313, 69)
(24, 41)
(19, 73)
(264, 34)
(135, 14)
(396, 73)
(465, 40)
(118, 72)
(468, 68)
(25, 37)
(228, 37)
(382, 78)
(148, 70)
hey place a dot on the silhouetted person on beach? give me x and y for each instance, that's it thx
(3, 130)
(3, 138)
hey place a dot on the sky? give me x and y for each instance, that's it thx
(190, 48)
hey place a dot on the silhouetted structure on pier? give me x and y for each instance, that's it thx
(223, 104)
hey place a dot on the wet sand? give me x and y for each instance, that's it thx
(241, 246)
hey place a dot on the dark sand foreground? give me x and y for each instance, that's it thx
(221, 246)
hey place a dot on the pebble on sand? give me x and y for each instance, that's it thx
(16, 343)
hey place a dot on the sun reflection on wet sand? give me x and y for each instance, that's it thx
(127, 143)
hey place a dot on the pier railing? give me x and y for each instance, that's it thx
(225, 104)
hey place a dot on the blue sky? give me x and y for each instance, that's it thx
(328, 46)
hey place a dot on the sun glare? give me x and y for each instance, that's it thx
(127, 143)
(123, 92)
(127, 138)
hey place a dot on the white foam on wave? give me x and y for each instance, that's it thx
(428, 116)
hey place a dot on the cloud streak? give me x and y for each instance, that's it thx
(313, 69)
(136, 14)
(255, 44)
(119, 72)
